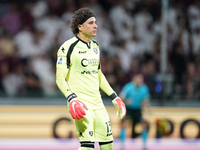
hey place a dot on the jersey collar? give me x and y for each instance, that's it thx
(88, 44)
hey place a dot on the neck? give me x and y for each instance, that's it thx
(84, 37)
(137, 85)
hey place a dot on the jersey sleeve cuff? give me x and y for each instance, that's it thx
(71, 97)
(113, 95)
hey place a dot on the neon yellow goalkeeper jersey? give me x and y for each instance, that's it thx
(78, 71)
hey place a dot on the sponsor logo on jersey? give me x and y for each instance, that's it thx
(60, 60)
(91, 133)
(85, 62)
(109, 134)
(89, 72)
(63, 50)
(81, 134)
(95, 50)
(82, 52)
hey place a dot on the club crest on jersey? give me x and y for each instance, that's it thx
(91, 133)
(60, 60)
(95, 50)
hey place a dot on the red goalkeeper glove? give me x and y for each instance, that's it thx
(119, 105)
(76, 107)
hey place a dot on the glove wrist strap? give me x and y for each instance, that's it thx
(71, 97)
(113, 95)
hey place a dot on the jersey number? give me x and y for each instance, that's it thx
(109, 131)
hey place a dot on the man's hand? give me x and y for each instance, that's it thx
(120, 106)
(76, 107)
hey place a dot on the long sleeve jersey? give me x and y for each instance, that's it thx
(78, 71)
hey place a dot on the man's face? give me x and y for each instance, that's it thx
(89, 27)
(138, 79)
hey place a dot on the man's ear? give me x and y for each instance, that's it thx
(80, 27)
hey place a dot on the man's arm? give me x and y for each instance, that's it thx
(146, 106)
(146, 100)
(62, 70)
(117, 102)
(61, 82)
(123, 95)
(103, 83)
(76, 106)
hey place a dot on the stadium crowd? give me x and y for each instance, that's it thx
(129, 35)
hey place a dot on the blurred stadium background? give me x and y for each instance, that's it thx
(160, 38)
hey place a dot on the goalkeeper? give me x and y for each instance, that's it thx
(79, 77)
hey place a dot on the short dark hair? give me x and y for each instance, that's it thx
(79, 18)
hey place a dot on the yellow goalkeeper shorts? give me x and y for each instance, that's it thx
(94, 127)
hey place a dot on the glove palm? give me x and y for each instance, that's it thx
(76, 107)
(120, 106)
